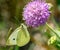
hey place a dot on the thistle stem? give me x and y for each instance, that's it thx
(52, 30)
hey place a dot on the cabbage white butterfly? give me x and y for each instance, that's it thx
(19, 36)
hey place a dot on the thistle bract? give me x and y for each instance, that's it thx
(36, 13)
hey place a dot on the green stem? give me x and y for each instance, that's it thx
(16, 47)
(52, 30)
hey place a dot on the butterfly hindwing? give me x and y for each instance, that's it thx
(23, 36)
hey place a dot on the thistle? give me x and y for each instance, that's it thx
(36, 13)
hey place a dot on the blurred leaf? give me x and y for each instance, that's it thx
(11, 48)
(2, 25)
(31, 46)
(58, 2)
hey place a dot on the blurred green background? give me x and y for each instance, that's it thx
(11, 17)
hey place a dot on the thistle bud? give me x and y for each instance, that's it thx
(52, 40)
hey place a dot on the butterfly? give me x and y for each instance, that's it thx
(19, 36)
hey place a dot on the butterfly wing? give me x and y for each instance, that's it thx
(19, 37)
(12, 38)
(23, 36)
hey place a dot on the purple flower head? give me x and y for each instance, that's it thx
(36, 13)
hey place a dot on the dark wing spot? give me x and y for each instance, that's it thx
(13, 38)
